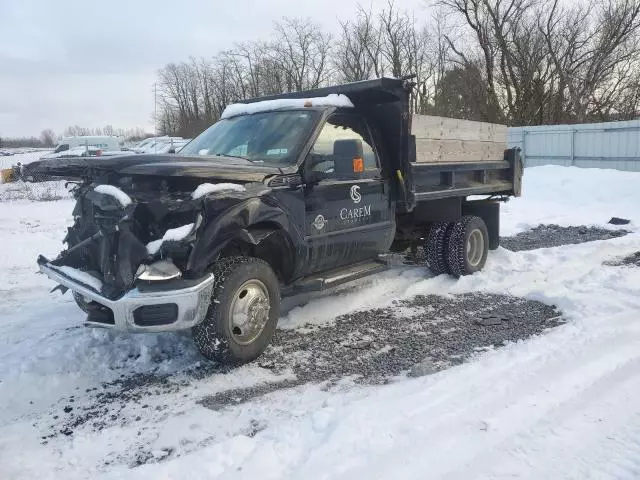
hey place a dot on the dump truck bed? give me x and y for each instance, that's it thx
(445, 180)
(456, 158)
(450, 140)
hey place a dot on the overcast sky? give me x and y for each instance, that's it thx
(93, 63)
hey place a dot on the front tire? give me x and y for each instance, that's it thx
(468, 246)
(243, 314)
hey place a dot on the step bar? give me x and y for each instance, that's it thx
(333, 278)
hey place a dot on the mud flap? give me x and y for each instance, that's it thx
(489, 211)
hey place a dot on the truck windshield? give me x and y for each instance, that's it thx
(269, 137)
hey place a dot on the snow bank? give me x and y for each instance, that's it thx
(171, 235)
(80, 276)
(115, 192)
(207, 188)
(333, 100)
(37, 192)
(572, 196)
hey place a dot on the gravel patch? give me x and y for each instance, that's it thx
(545, 236)
(419, 336)
(414, 337)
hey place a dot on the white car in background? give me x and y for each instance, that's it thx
(176, 145)
(143, 144)
(86, 151)
(104, 143)
(158, 144)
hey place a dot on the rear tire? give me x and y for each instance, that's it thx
(436, 247)
(243, 314)
(468, 246)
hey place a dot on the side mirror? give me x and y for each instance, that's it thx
(172, 150)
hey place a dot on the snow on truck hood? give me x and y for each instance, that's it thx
(332, 100)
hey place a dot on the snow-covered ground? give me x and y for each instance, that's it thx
(22, 155)
(565, 404)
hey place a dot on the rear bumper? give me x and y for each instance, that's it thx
(158, 308)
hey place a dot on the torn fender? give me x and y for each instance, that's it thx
(236, 221)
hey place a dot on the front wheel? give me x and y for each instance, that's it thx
(243, 314)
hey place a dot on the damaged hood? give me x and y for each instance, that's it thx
(226, 168)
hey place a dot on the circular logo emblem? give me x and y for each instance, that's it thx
(355, 194)
(319, 222)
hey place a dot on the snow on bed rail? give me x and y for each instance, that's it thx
(79, 276)
(207, 188)
(173, 234)
(115, 192)
(332, 100)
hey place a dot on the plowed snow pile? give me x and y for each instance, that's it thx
(81, 403)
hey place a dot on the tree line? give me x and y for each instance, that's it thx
(48, 138)
(519, 62)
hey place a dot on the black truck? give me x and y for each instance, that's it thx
(294, 193)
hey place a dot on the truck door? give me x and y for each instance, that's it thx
(348, 213)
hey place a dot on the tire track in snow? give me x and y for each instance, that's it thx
(550, 389)
(573, 437)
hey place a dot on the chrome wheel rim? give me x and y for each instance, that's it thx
(475, 247)
(249, 312)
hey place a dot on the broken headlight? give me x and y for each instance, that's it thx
(158, 271)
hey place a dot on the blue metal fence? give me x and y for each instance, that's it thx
(595, 145)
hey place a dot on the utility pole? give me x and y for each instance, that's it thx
(155, 114)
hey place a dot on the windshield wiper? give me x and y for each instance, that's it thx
(243, 158)
(232, 156)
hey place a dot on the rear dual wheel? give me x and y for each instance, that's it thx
(459, 248)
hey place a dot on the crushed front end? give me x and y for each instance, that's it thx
(127, 255)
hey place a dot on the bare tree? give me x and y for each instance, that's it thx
(544, 63)
(48, 138)
(515, 61)
(395, 32)
(595, 56)
(357, 52)
(301, 50)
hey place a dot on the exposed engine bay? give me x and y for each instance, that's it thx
(140, 227)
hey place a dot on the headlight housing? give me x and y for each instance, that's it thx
(159, 271)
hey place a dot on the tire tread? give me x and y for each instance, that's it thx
(436, 247)
(457, 243)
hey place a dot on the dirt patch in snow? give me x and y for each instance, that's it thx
(632, 260)
(545, 236)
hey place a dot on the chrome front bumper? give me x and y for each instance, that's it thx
(192, 302)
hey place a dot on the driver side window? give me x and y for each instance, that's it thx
(342, 141)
